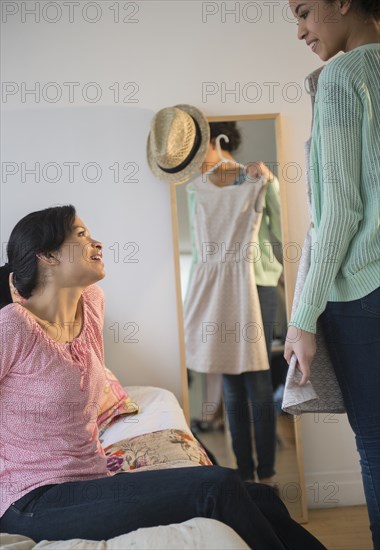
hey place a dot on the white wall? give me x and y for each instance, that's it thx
(162, 53)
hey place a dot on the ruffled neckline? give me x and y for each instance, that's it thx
(29, 316)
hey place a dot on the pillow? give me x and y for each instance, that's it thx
(114, 402)
(170, 448)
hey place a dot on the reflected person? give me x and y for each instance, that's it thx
(247, 385)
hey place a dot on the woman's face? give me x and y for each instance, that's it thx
(80, 257)
(322, 25)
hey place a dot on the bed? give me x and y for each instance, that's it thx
(156, 437)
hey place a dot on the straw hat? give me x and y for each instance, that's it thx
(177, 143)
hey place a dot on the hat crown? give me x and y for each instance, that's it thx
(173, 134)
(177, 143)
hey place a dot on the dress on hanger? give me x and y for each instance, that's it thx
(223, 324)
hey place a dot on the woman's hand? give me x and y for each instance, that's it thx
(258, 169)
(303, 345)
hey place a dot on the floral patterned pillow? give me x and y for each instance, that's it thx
(114, 402)
(170, 448)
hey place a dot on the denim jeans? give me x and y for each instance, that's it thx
(352, 332)
(268, 304)
(248, 397)
(107, 507)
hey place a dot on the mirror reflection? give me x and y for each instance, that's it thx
(234, 305)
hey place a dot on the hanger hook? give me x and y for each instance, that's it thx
(218, 147)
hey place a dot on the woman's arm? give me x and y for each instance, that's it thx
(273, 208)
(336, 202)
(336, 178)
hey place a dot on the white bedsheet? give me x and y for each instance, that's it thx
(196, 533)
(159, 410)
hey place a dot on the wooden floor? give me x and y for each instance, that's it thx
(343, 528)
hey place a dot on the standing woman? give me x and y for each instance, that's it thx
(342, 285)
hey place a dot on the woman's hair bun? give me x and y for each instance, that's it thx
(5, 293)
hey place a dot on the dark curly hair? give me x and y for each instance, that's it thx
(230, 130)
(40, 232)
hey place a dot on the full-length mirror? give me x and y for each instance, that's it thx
(230, 243)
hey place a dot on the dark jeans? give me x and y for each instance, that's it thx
(248, 397)
(268, 303)
(108, 507)
(352, 331)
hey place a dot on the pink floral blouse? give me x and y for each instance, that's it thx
(49, 394)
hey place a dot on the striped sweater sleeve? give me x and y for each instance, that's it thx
(272, 203)
(335, 180)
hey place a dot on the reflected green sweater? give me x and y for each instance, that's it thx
(345, 185)
(267, 267)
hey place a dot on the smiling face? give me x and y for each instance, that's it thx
(323, 25)
(80, 257)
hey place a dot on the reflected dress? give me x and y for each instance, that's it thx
(223, 324)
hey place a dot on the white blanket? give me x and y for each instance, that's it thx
(159, 410)
(193, 534)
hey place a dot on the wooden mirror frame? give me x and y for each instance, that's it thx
(303, 518)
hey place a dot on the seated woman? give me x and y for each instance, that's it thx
(54, 478)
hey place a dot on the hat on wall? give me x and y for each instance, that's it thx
(177, 143)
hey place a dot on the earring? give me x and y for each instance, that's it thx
(19, 298)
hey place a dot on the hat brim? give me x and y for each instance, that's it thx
(193, 169)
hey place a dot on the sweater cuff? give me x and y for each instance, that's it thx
(306, 317)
